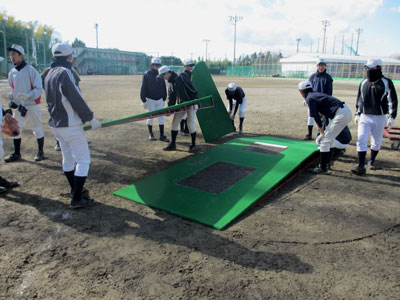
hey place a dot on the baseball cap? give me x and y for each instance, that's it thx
(232, 87)
(17, 48)
(373, 62)
(163, 70)
(188, 62)
(61, 49)
(306, 84)
(321, 61)
(156, 61)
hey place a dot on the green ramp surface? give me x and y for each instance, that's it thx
(215, 122)
(217, 186)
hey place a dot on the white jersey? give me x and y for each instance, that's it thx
(27, 81)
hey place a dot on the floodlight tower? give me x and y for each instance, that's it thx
(325, 23)
(96, 26)
(234, 20)
(358, 30)
(298, 42)
(206, 41)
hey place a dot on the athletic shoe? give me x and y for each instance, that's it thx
(192, 148)
(240, 130)
(2, 190)
(308, 137)
(82, 203)
(151, 137)
(57, 146)
(8, 184)
(164, 138)
(13, 157)
(358, 171)
(170, 147)
(371, 165)
(84, 194)
(318, 170)
(39, 156)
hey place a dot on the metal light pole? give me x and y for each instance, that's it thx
(298, 42)
(27, 44)
(325, 23)
(206, 41)
(351, 47)
(235, 19)
(358, 30)
(44, 50)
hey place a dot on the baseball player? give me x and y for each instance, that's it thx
(77, 80)
(321, 82)
(188, 65)
(182, 89)
(26, 90)
(68, 111)
(237, 101)
(331, 108)
(376, 107)
(153, 94)
(4, 183)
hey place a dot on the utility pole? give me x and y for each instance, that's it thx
(206, 41)
(44, 50)
(358, 30)
(318, 46)
(342, 44)
(334, 42)
(351, 47)
(96, 26)
(325, 23)
(235, 19)
(298, 42)
(311, 47)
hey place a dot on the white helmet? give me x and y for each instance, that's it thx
(306, 84)
(156, 61)
(232, 87)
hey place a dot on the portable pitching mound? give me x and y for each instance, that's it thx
(215, 187)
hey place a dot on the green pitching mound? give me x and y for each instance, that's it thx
(217, 186)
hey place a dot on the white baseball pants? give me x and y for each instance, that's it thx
(33, 117)
(191, 118)
(241, 107)
(155, 105)
(75, 149)
(374, 125)
(335, 127)
(310, 121)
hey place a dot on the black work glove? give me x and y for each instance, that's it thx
(12, 105)
(22, 110)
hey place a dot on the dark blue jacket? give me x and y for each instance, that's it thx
(324, 104)
(153, 87)
(181, 88)
(344, 136)
(321, 82)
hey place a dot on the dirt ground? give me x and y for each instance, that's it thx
(319, 237)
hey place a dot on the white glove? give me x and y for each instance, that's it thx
(356, 119)
(305, 103)
(24, 96)
(144, 105)
(318, 139)
(390, 123)
(96, 124)
(8, 96)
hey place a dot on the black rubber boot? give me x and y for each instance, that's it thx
(192, 147)
(40, 154)
(172, 146)
(308, 137)
(162, 136)
(360, 169)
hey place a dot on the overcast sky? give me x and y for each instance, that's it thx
(180, 26)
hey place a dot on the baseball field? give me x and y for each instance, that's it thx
(319, 237)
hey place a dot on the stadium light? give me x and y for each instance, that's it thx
(298, 42)
(5, 46)
(96, 26)
(358, 30)
(235, 19)
(325, 23)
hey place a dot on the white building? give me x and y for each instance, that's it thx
(338, 66)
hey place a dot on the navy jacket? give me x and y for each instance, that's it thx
(321, 82)
(181, 88)
(153, 87)
(324, 104)
(344, 136)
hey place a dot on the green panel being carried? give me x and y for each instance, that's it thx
(217, 186)
(214, 122)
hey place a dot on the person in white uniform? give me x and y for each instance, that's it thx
(376, 107)
(26, 90)
(68, 112)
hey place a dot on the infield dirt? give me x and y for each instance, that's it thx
(319, 237)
